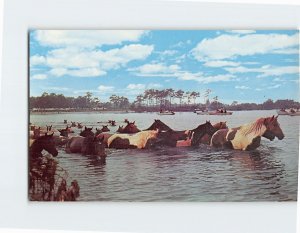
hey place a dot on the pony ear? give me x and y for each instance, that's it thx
(276, 117)
(134, 122)
(84, 127)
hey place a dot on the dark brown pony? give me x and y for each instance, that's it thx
(120, 129)
(130, 128)
(64, 132)
(79, 125)
(49, 128)
(197, 133)
(36, 158)
(158, 124)
(248, 136)
(112, 122)
(89, 145)
(220, 125)
(93, 146)
(98, 131)
(105, 128)
(36, 132)
(87, 132)
(183, 138)
(73, 124)
(46, 143)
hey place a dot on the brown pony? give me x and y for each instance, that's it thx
(120, 129)
(46, 143)
(87, 132)
(248, 136)
(206, 138)
(105, 128)
(131, 128)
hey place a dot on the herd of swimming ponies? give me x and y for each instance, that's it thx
(244, 137)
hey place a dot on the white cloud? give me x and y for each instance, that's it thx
(91, 63)
(168, 52)
(274, 86)
(37, 60)
(154, 86)
(152, 69)
(230, 46)
(86, 38)
(181, 44)
(103, 88)
(266, 70)
(216, 78)
(220, 63)
(174, 71)
(242, 87)
(180, 58)
(138, 86)
(57, 88)
(39, 76)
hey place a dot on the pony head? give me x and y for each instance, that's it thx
(158, 124)
(87, 132)
(200, 131)
(64, 132)
(98, 131)
(120, 129)
(46, 143)
(49, 127)
(269, 135)
(36, 132)
(131, 128)
(79, 125)
(273, 127)
(105, 128)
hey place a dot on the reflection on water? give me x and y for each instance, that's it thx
(185, 174)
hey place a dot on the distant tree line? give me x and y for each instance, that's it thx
(151, 100)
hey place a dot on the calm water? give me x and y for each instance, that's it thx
(204, 174)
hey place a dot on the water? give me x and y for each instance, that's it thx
(185, 174)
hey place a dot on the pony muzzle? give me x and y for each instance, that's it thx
(280, 137)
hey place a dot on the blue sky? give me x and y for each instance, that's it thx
(237, 65)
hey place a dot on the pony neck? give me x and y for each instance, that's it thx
(35, 149)
(256, 128)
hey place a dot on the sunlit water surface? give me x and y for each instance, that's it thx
(184, 174)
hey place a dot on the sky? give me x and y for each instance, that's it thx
(236, 65)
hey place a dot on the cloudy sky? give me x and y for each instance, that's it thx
(241, 65)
